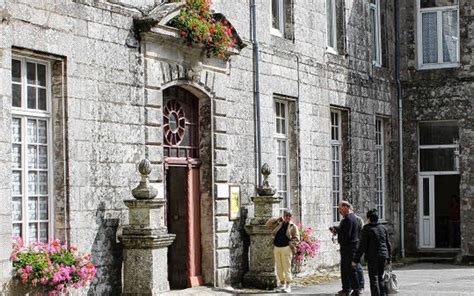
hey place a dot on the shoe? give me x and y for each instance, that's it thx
(356, 293)
(343, 293)
(287, 289)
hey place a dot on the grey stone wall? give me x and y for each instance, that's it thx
(103, 126)
(441, 94)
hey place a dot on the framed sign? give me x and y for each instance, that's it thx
(234, 202)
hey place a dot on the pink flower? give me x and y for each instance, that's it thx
(28, 268)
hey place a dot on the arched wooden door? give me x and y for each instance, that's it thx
(182, 180)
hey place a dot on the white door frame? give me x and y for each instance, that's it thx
(426, 233)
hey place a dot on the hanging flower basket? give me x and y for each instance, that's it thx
(199, 28)
(307, 247)
(50, 269)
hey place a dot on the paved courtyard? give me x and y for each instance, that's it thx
(423, 279)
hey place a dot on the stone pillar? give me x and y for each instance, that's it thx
(261, 261)
(145, 241)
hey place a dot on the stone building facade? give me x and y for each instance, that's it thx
(89, 88)
(437, 86)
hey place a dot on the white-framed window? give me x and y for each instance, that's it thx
(380, 167)
(31, 150)
(281, 136)
(278, 18)
(438, 147)
(331, 25)
(336, 163)
(438, 33)
(375, 33)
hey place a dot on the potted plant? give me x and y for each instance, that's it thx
(200, 28)
(50, 268)
(307, 247)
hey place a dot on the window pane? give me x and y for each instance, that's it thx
(438, 133)
(330, 22)
(31, 131)
(17, 230)
(31, 73)
(373, 23)
(430, 37)
(32, 232)
(41, 98)
(32, 183)
(432, 160)
(437, 3)
(16, 209)
(276, 14)
(450, 36)
(426, 197)
(16, 156)
(31, 97)
(32, 208)
(43, 208)
(43, 232)
(16, 130)
(16, 182)
(43, 157)
(32, 157)
(43, 183)
(41, 75)
(16, 95)
(16, 71)
(42, 134)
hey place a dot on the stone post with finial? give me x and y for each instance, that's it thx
(145, 240)
(261, 272)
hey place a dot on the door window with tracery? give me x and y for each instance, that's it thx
(180, 123)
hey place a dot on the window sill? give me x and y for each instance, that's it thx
(276, 32)
(438, 66)
(331, 50)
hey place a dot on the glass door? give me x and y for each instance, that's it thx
(426, 212)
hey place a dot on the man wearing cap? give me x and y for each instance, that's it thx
(285, 236)
(348, 239)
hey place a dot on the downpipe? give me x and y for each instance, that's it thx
(256, 92)
(400, 126)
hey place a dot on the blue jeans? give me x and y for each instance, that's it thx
(360, 276)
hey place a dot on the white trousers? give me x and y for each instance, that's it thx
(283, 257)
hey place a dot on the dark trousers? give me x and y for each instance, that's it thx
(349, 277)
(376, 268)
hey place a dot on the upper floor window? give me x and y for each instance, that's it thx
(375, 32)
(31, 150)
(438, 33)
(282, 19)
(331, 25)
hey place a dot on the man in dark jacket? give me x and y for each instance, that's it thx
(375, 244)
(348, 239)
